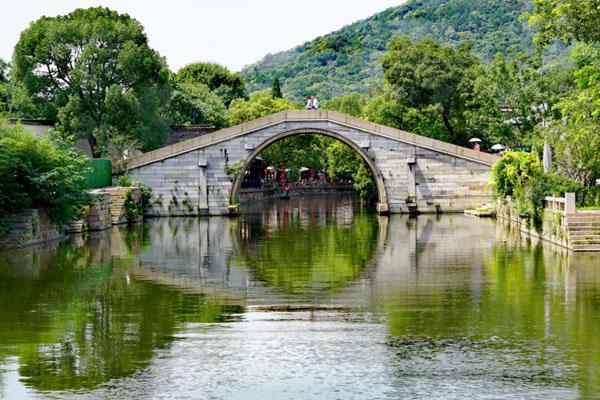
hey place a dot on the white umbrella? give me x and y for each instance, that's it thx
(304, 169)
(547, 160)
(498, 147)
(475, 140)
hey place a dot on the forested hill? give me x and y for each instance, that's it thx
(348, 60)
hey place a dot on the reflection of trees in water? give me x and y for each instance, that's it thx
(300, 254)
(76, 325)
(533, 309)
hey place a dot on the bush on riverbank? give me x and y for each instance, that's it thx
(39, 173)
(519, 175)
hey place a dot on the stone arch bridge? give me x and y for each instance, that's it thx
(412, 172)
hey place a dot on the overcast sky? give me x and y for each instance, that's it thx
(231, 32)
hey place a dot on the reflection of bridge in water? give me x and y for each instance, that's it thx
(218, 256)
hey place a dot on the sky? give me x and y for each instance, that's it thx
(233, 33)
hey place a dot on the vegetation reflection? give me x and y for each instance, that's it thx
(300, 254)
(529, 303)
(74, 325)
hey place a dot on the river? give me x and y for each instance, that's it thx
(312, 298)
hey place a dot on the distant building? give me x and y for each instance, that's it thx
(180, 133)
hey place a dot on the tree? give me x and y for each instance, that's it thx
(511, 97)
(38, 173)
(196, 104)
(259, 105)
(576, 140)
(93, 72)
(351, 104)
(387, 109)
(425, 74)
(276, 89)
(228, 86)
(5, 88)
(566, 20)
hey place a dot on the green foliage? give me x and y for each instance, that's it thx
(520, 175)
(259, 105)
(196, 104)
(512, 97)
(342, 161)
(93, 72)
(426, 74)
(348, 60)
(234, 168)
(297, 151)
(566, 20)
(133, 207)
(539, 187)
(38, 173)
(511, 173)
(364, 183)
(577, 142)
(5, 88)
(276, 89)
(225, 84)
(351, 104)
(125, 181)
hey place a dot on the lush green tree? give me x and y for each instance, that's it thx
(38, 173)
(566, 20)
(5, 88)
(351, 104)
(93, 71)
(576, 140)
(227, 85)
(387, 109)
(343, 161)
(259, 105)
(276, 89)
(298, 151)
(196, 104)
(425, 74)
(513, 96)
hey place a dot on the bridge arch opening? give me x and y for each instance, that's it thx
(382, 205)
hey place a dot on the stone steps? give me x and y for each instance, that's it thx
(586, 247)
(590, 240)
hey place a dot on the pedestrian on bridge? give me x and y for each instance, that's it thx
(315, 103)
(309, 103)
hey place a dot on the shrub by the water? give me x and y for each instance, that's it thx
(520, 176)
(39, 173)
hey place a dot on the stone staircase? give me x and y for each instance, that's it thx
(583, 230)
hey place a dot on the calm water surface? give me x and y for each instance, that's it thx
(311, 298)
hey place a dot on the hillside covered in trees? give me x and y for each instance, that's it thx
(348, 60)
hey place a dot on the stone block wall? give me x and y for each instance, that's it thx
(99, 217)
(29, 228)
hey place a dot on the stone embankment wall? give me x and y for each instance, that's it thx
(562, 223)
(29, 228)
(34, 227)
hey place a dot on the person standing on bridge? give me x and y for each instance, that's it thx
(309, 103)
(315, 103)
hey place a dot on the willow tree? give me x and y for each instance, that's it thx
(93, 72)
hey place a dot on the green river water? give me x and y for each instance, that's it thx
(307, 299)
